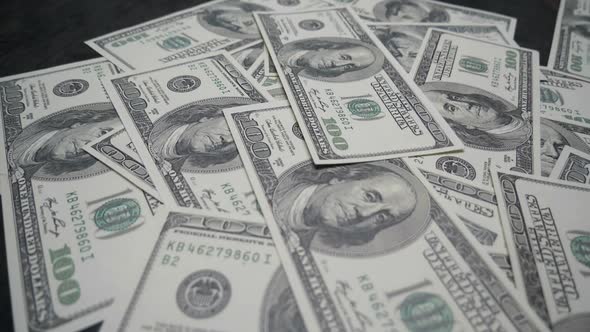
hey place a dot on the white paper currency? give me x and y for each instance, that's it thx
(215, 25)
(174, 118)
(116, 150)
(272, 84)
(68, 219)
(572, 166)
(248, 54)
(477, 207)
(565, 96)
(547, 73)
(570, 49)
(489, 94)
(548, 237)
(368, 247)
(412, 11)
(211, 274)
(352, 99)
(557, 133)
(403, 40)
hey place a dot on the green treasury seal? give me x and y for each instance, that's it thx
(422, 312)
(580, 246)
(117, 215)
(174, 43)
(474, 64)
(364, 109)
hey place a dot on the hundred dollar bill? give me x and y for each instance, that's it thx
(570, 49)
(411, 11)
(572, 166)
(174, 118)
(353, 100)
(67, 217)
(548, 237)
(272, 84)
(216, 25)
(488, 93)
(403, 40)
(565, 96)
(116, 150)
(477, 208)
(211, 274)
(343, 231)
(557, 133)
(246, 56)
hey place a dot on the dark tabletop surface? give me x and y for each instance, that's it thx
(39, 34)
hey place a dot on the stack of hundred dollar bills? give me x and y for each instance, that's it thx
(304, 165)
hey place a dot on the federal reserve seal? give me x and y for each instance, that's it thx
(580, 247)
(117, 215)
(311, 25)
(423, 312)
(184, 83)
(203, 294)
(456, 166)
(70, 88)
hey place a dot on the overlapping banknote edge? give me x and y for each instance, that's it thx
(90, 148)
(523, 281)
(92, 43)
(456, 144)
(560, 122)
(458, 184)
(512, 21)
(142, 151)
(551, 62)
(292, 273)
(122, 309)
(536, 74)
(18, 302)
(566, 153)
(11, 258)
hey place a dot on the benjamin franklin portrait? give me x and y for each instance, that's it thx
(403, 45)
(360, 209)
(410, 11)
(52, 146)
(480, 119)
(554, 137)
(231, 19)
(332, 59)
(196, 138)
